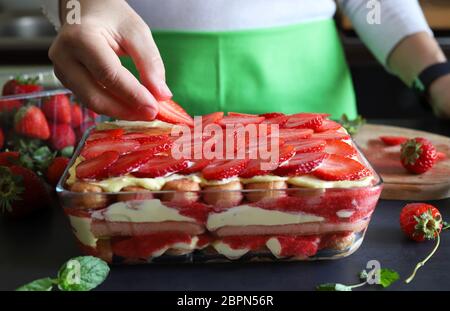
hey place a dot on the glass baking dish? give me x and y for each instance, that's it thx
(330, 222)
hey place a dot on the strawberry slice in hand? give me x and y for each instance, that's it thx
(160, 166)
(336, 167)
(171, 112)
(301, 164)
(97, 147)
(96, 168)
(222, 169)
(340, 148)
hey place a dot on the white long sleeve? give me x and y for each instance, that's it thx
(398, 19)
(50, 8)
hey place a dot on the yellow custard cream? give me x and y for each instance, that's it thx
(227, 251)
(309, 181)
(82, 229)
(140, 211)
(133, 125)
(246, 215)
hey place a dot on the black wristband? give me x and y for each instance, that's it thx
(430, 74)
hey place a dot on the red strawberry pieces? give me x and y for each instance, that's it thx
(300, 164)
(330, 135)
(62, 136)
(130, 162)
(328, 125)
(76, 115)
(211, 118)
(305, 120)
(336, 167)
(21, 86)
(106, 134)
(340, 148)
(308, 145)
(240, 120)
(97, 147)
(293, 134)
(57, 109)
(160, 166)
(56, 169)
(393, 140)
(222, 169)
(197, 166)
(171, 112)
(96, 168)
(30, 121)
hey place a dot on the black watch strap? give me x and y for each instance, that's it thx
(429, 75)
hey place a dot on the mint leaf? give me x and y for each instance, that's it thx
(363, 275)
(334, 287)
(352, 126)
(82, 274)
(387, 277)
(41, 285)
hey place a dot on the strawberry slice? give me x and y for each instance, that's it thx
(294, 134)
(211, 118)
(161, 166)
(130, 162)
(95, 148)
(240, 120)
(222, 169)
(308, 145)
(440, 156)
(301, 164)
(254, 167)
(272, 115)
(157, 146)
(171, 112)
(305, 120)
(106, 134)
(240, 114)
(143, 138)
(96, 168)
(393, 140)
(197, 166)
(328, 125)
(340, 148)
(330, 135)
(280, 120)
(337, 167)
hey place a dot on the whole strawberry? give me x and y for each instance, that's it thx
(2, 138)
(22, 192)
(56, 169)
(57, 109)
(62, 136)
(31, 122)
(22, 86)
(418, 155)
(420, 222)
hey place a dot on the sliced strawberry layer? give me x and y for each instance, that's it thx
(211, 118)
(130, 162)
(222, 169)
(340, 148)
(272, 115)
(308, 145)
(157, 146)
(96, 168)
(330, 135)
(161, 166)
(143, 138)
(328, 125)
(240, 120)
(95, 148)
(280, 120)
(310, 121)
(337, 167)
(393, 140)
(171, 112)
(289, 135)
(301, 164)
(197, 166)
(252, 242)
(103, 134)
(146, 246)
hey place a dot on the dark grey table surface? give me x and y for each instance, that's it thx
(36, 248)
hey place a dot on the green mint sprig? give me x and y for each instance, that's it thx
(82, 273)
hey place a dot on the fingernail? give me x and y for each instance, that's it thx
(164, 91)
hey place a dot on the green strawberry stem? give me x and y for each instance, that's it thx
(422, 263)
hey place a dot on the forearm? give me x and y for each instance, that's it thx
(413, 54)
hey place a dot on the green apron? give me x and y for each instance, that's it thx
(296, 68)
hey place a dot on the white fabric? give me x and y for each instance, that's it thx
(399, 18)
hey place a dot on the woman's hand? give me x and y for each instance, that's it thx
(86, 60)
(440, 97)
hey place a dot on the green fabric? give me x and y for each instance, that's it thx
(298, 68)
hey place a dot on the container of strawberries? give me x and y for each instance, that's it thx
(41, 123)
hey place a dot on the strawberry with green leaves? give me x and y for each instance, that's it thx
(22, 86)
(22, 192)
(418, 155)
(62, 136)
(57, 109)
(30, 121)
(420, 222)
(56, 169)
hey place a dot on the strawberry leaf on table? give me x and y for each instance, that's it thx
(387, 277)
(352, 125)
(40, 285)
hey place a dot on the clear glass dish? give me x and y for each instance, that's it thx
(330, 223)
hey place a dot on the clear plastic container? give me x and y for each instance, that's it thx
(285, 224)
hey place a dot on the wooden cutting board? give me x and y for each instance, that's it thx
(398, 183)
